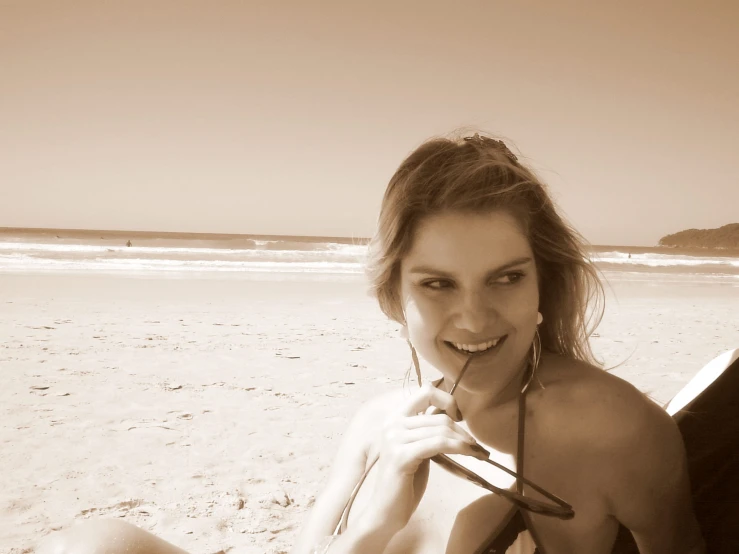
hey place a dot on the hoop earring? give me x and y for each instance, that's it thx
(535, 359)
(416, 365)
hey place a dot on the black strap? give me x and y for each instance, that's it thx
(521, 436)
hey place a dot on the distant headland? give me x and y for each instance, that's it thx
(724, 238)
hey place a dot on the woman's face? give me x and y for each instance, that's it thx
(470, 282)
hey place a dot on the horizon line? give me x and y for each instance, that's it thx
(167, 234)
(118, 233)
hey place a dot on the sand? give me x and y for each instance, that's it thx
(208, 410)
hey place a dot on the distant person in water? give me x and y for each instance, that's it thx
(491, 289)
(129, 244)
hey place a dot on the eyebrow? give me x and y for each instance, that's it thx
(425, 269)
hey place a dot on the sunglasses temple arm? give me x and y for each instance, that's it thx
(434, 410)
(534, 486)
(516, 498)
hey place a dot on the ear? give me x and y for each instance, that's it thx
(539, 318)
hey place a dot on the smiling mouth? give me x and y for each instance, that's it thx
(494, 347)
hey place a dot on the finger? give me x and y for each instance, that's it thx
(410, 455)
(439, 420)
(423, 433)
(428, 396)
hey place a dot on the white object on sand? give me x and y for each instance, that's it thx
(701, 380)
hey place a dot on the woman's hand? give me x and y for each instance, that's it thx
(408, 439)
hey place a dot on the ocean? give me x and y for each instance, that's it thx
(193, 255)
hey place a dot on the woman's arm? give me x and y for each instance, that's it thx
(361, 538)
(346, 471)
(405, 437)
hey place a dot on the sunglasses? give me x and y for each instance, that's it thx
(556, 507)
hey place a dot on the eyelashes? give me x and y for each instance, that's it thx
(443, 284)
(516, 276)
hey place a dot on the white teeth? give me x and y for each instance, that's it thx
(476, 347)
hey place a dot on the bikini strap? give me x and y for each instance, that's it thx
(522, 428)
(521, 436)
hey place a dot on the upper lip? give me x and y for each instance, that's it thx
(476, 341)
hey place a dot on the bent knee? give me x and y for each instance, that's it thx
(105, 536)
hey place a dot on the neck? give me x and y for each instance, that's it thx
(472, 403)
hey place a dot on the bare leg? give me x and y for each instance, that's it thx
(105, 536)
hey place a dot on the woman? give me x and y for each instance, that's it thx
(491, 288)
(471, 256)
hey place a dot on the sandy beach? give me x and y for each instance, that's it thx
(208, 410)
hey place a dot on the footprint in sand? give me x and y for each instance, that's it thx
(120, 509)
(130, 425)
(181, 415)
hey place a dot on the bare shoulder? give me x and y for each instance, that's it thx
(627, 445)
(596, 407)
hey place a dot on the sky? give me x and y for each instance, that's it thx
(290, 117)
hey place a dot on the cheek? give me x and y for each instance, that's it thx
(424, 317)
(430, 314)
(526, 301)
(517, 306)
(422, 314)
(522, 298)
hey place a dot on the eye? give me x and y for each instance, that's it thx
(436, 284)
(511, 278)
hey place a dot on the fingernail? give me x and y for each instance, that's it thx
(480, 450)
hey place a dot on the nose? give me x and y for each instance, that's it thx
(474, 313)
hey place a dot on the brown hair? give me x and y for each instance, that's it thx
(480, 174)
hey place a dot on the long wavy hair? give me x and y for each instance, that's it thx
(479, 174)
